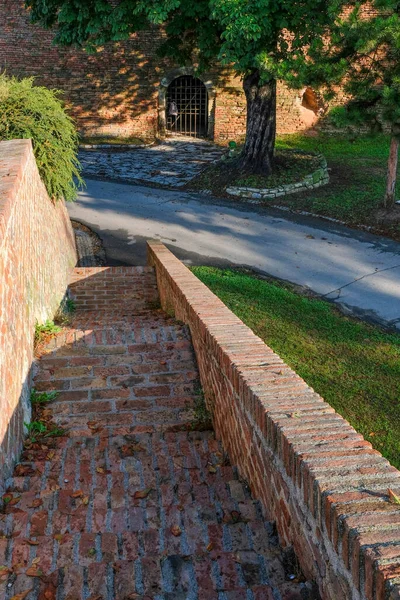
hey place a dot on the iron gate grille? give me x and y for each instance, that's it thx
(187, 96)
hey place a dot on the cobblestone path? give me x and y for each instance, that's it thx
(135, 500)
(172, 163)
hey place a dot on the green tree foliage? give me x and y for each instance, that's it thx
(362, 56)
(257, 37)
(29, 111)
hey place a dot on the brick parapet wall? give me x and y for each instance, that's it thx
(37, 252)
(323, 484)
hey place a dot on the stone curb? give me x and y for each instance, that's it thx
(314, 180)
(114, 146)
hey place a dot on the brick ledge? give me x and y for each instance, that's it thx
(14, 156)
(323, 484)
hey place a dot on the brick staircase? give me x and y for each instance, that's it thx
(137, 500)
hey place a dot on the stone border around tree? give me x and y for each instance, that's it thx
(314, 180)
(114, 146)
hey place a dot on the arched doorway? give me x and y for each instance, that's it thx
(187, 107)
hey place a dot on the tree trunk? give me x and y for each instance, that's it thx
(390, 195)
(258, 152)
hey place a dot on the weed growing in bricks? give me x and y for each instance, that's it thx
(65, 312)
(42, 397)
(202, 418)
(45, 331)
(34, 112)
(35, 429)
(39, 430)
(70, 305)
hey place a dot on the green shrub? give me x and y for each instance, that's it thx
(29, 111)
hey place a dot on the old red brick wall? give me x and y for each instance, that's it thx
(115, 91)
(323, 484)
(37, 253)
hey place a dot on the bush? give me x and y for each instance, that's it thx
(29, 111)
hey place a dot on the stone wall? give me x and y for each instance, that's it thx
(116, 91)
(37, 252)
(318, 479)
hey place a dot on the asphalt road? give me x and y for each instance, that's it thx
(358, 271)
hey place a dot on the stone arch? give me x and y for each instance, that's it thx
(162, 94)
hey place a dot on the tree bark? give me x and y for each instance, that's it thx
(390, 195)
(258, 151)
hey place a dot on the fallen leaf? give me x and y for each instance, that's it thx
(142, 494)
(23, 470)
(129, 450)
(22, 595)
(4, 570)
(36, 503)
(212, 469)
(77, 494)
(16, 534)
(32, 542)
(7, 498)
(34, 572)
(92, 552)
(58, 537)
(85, 500)
(100, 470)
(51, 455)
(210, 547)
(235, 516)
(176, 530)
(14, 501)
(393, 498)
(36, 560)
(50, 592)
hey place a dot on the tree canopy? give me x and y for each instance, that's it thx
(361, 56)
(256, 34)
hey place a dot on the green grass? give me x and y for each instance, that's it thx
(354, 366)
(290, 167)
(358, 172)
(357, 180)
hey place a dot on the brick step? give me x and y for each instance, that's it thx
(195, 454)
(108, 288)
(175, 576)
(133, 502)
(169, 505)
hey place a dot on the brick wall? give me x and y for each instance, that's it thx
(323, 484)
(115, 92)
(37, 251)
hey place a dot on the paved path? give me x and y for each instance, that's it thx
(361, 272)
(135, 501)
(172, 163)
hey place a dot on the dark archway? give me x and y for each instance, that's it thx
(187, 107)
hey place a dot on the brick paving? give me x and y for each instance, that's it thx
(135, 500)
